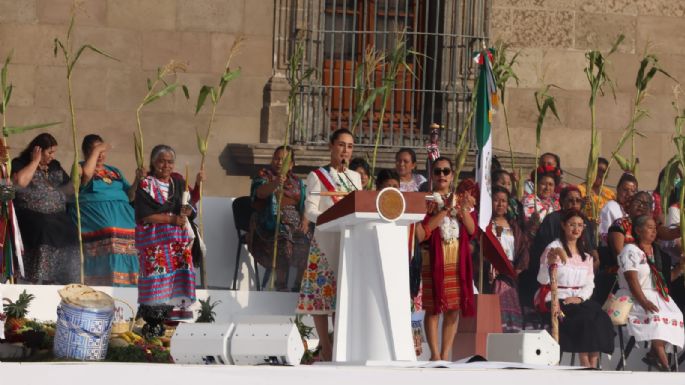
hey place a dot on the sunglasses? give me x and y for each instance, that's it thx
(442, 171)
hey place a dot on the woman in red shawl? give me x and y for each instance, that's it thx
(447, 272)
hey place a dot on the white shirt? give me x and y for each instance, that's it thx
(610, 212)
(314, 205)
(575, 278)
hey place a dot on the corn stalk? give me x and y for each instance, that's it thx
(396, 60)
(296, 76)
(365, 92)
(156, 89)
(215, 93)
(544, 102)
(71, 57)
(598, 77)
(676, 165)
(649, 67)
(503, 70)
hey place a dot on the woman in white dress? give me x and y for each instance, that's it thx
(654, 316)
(318, 288)
(405, 165)
(586, 329)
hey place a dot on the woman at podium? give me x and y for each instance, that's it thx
(318, 288)
(446, 232)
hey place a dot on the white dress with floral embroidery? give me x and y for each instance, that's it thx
(667, 324)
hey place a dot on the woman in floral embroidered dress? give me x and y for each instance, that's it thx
(163, 236)
(107, 219)
(544, 201)
(318, 288)
(293, 243)
(405, 165)
(49, 235)
(645, 274)
(447, 270)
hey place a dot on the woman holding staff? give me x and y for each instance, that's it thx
(318, 288)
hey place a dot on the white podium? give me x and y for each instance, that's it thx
(373, 317)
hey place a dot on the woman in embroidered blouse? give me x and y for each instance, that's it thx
(447, 270)
(586, 329)
(654, 316)
(362, 167)
(49, 235)
(164, 237)
(545, 201)
(515, 246)
(620, 232)
(107, 219)
(293, 242)
(405, 165)
(318, 289)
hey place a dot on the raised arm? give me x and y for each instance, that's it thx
(88, 168)
(23, 177)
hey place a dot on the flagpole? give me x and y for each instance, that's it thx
(480, 274)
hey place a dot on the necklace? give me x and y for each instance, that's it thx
(341, 183)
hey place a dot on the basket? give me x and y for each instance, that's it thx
(122, 327)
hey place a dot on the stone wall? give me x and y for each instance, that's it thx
(144, 35)
(553, 36)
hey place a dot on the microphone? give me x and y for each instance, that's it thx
(343, 167)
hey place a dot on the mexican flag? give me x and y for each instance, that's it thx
(486, 98)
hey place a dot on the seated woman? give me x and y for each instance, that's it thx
(502, 178)
(620, 232)
(164, 239)
(362, 167)
(447, 272)
(51, 247)
(654, 316)
(544, 201)
(294, 232)
(548, 162)
(586, 329)
(405, 165)
(515, 246)
(107, 219)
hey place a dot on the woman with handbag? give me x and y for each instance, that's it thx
(654, 316)
(585, 328)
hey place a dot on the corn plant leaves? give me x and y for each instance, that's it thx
(164, 91)
(11, 130)
(138, 150)
(201, 142)
(201, 98)
(7, 95)
(227, 78)
(364, 108)
(149, 84)
(80, 51)
(186, 93)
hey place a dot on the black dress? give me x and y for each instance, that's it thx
(49, 235)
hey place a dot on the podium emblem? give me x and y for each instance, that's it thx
(390, 204)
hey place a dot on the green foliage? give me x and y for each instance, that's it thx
(18, 308)
(503, 69)
(597, 75)
(139, 353)
(206, 312)
(544, 102)
(156, 89)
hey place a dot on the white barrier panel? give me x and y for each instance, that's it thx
(202, 343)
(266, 340)
(529, 347)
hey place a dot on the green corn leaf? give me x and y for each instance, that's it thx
(138, 150)
(617, 43)
(149, 84)
(623, 163)
(7, 96)
(185, 92)
(166, 90)
(213, 95)
(201, 142)
(90, 47)
(286, 163)
(11, 130)
(227, 78)
(75, 175)
(201, 98)
(368, 103)
(57, 43)
(3, 72)
(667, 183)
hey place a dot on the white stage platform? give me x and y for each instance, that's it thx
(221, 241)
(117, 374)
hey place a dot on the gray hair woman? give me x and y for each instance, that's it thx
(163, 237)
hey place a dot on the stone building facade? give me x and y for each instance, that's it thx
(145, 34)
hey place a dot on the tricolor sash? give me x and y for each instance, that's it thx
(327, 181)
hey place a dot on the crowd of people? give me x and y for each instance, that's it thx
(597, 241)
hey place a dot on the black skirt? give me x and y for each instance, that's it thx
(586, 328)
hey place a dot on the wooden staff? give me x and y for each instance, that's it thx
(555, 300)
